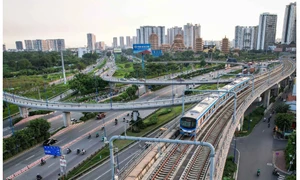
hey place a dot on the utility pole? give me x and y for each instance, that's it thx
(63, 66)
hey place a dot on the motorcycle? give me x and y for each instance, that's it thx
(39, 177)
(97, 135)
(78, 151)
(69, 151)
(89, 136)
(258, 173)
(43, 162)
(275, 172)
(83, 152)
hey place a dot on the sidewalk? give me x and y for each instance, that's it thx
(279, 161)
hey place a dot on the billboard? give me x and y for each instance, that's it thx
(117, 50)
(141, 48)
(156, 53)
(52, 150)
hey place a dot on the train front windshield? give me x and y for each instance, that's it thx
(188, 123)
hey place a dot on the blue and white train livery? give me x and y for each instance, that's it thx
(192, 121)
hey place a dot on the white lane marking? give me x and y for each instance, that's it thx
(263, 131)
(51, 165)
(269, 164)
(81, 130)
(110, 170)
(17, 164)
(90, 125)
(30, 157)
(90, 140)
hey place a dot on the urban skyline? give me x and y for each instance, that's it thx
(125, 16)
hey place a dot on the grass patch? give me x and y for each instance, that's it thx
(251, 120)
(46, 93)
(123, 69)
(230, 168)
(163, 118)
(231, 76)
(13, 110)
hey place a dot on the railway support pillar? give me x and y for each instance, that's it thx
(266, 98)
(187, 86)
(67, 118)
(241, 123)
(23, 112)
(146, 88)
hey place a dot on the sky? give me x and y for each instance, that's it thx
(73, 19)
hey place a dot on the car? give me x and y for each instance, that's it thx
(49, 142)
(123, 79)
(73, 120)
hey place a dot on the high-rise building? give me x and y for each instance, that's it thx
(45, 45)
(102, 45)
(188, 35)
(144, 33)
(153, 40)
(245, 37)
(225, 45)
(134, 40)
(289, 24)
(199, 45)
(39, 46)
(28, 45)
(172, 32)
(19, 45)
(60, 45)
(128, 44)
(52, 44)
(91, 40)
(196, 34)
(4, 47)
(266, 31)
(115, 42)
(122, 45)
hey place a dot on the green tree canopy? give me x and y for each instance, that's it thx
(85, 83)
(284, 120)
(282, 108)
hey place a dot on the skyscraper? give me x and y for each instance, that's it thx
(225, 45)
(196, 34)
(35, 45)
(128, 44)
(144, 33)
(289, 24)
(245, 37)
(115, 42)
(28, 45)
(153, 40)
(91, 40)
(61, 44)
(266, 31)
(122, 45)
(134, 41)
(19, 45)
(199, 44)
(52, 44)
(172, 32)
(188, 35)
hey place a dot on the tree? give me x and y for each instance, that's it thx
(284, 121)
(282, 108)
(108, 53)
(290, 151)
(291, 177)
(202, 63)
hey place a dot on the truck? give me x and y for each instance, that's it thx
(101, 115)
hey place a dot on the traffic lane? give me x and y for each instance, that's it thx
(103, 171)
(38, 152)
(90, 145)
(256, 153)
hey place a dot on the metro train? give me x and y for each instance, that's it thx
(192, 121)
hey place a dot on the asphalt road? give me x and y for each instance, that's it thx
(90, 145)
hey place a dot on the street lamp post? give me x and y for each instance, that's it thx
(117, 150)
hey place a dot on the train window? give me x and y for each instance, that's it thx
(214, 106)
(188, 122)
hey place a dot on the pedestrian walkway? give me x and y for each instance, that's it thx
(279, 161)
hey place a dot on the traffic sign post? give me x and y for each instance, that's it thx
(63, 165)
(52, 150)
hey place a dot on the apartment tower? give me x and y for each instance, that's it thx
(289, 24)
